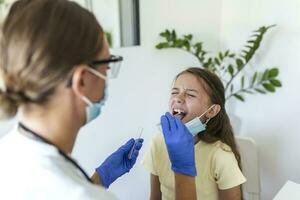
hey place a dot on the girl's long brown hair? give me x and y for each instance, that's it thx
(219, 127)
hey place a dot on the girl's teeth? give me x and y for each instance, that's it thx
(178, 111)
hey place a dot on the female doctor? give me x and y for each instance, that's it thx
(54, 63)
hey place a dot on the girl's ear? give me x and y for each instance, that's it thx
(213, 111)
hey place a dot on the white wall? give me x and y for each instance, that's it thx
(272, 120)
(191, 16)
(107, 12)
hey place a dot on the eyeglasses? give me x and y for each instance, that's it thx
(114, 65)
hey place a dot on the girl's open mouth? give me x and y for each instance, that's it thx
(178, 113)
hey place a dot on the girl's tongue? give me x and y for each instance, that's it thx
(179, 113)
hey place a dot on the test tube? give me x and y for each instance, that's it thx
(132, 149)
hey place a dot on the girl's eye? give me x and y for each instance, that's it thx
(173, 93)
(191, 95)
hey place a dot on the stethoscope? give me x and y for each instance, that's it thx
(42, 139)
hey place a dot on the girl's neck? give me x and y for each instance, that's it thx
(196, 140)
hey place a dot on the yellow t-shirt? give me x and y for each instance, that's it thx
(216, 167)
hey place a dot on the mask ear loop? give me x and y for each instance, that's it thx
(86, 100)
(95, 72)
(205, 113)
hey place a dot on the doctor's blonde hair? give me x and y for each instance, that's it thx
(41, 42)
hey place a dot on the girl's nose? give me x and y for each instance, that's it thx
(180, 98)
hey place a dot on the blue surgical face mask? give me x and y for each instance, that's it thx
(195, 126)
(93, 110)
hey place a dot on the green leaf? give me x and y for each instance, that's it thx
(174, 35)
(239, 64)
(265, 75)
(163, 34)
(162, 45)
(250, 41)
(275, 82)
(227, 53)
(198, 45)
(269, 87)
(188, 37)
(221, 56)
(178, 43)
(273, 72)
(255, 35)
(256, 44)
(230, 70)
(232, 55)
(209, 61)
(260, 91)
(187, 45)
(245, 52)
(243, 81)
(217, 61)
(254, 78)
(168, 36)
(239, 97)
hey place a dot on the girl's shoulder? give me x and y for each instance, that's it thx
(215, 146)
(158, 142)
(222, 153)
(221, 146)
(158, 138)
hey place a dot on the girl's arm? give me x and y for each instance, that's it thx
(155, 188)
(185, 187)
(231, 194)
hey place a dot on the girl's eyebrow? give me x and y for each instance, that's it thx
(186, 89)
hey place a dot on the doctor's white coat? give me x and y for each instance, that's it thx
(31, 169)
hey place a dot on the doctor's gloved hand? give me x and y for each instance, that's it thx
(119, 163)
(180, 145)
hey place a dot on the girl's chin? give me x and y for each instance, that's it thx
(187, 119)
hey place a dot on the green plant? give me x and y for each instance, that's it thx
(109, 38)
(228, 65)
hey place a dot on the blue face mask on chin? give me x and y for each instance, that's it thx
(195, 126)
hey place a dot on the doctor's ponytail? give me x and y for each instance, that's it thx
(41, 42)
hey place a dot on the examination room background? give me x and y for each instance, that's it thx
(139, 96)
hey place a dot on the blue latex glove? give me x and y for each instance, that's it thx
(118, 162)
(180, 145)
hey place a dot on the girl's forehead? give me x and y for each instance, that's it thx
(188, 81)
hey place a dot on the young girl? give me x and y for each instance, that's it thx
(198, 92)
